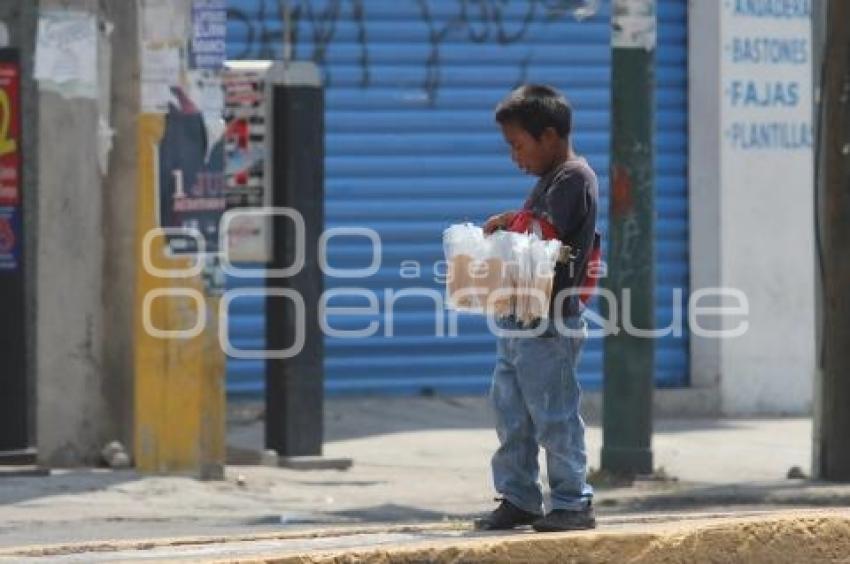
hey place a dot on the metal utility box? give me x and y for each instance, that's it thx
(275, 115)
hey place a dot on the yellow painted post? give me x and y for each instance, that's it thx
(179, 382)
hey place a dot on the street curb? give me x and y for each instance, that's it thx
(789, 538)
(769, 536)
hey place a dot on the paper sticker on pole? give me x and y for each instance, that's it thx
(66, 53)
(633, 24)
(209, 29)
(10, 156)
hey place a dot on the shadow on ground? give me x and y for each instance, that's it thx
(62, 483)
(807, 493)
(355, 418)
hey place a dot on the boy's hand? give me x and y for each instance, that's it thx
(498, 221)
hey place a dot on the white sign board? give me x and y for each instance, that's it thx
(767, 79)
(766, 181)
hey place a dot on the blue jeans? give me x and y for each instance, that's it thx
(536, 396)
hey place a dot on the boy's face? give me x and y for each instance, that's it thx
(532, 156)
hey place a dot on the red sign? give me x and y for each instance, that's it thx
(10, 134)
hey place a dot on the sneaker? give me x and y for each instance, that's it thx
(506, 516)
(566, 520)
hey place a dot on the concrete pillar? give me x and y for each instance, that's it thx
(119, 224)
(179, 375)
(704, 182)
(85, 263)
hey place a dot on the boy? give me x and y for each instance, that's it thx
(534, 392)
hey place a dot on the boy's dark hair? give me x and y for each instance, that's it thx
(534, 107)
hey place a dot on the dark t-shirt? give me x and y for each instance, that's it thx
(567, 198)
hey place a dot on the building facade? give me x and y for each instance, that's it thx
(411, 148)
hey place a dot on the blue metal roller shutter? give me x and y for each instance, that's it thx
(411, 148)
(247, 330)
(671, 188)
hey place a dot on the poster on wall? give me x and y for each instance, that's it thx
(244, 157)
(190, 186)
(191, 177)
(208, 47)
(66, 53)
(10, 243)
(10, 162)
(180, 82)
(161, 68)
(189, 155)
(163, 23)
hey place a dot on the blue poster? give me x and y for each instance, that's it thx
(191, 177)
(209, 28)
(10, 238)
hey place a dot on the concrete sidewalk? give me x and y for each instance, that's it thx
(421, 460)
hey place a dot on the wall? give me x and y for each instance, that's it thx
(70, 259)
(751, 206)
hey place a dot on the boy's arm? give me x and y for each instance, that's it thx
(498, 221)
